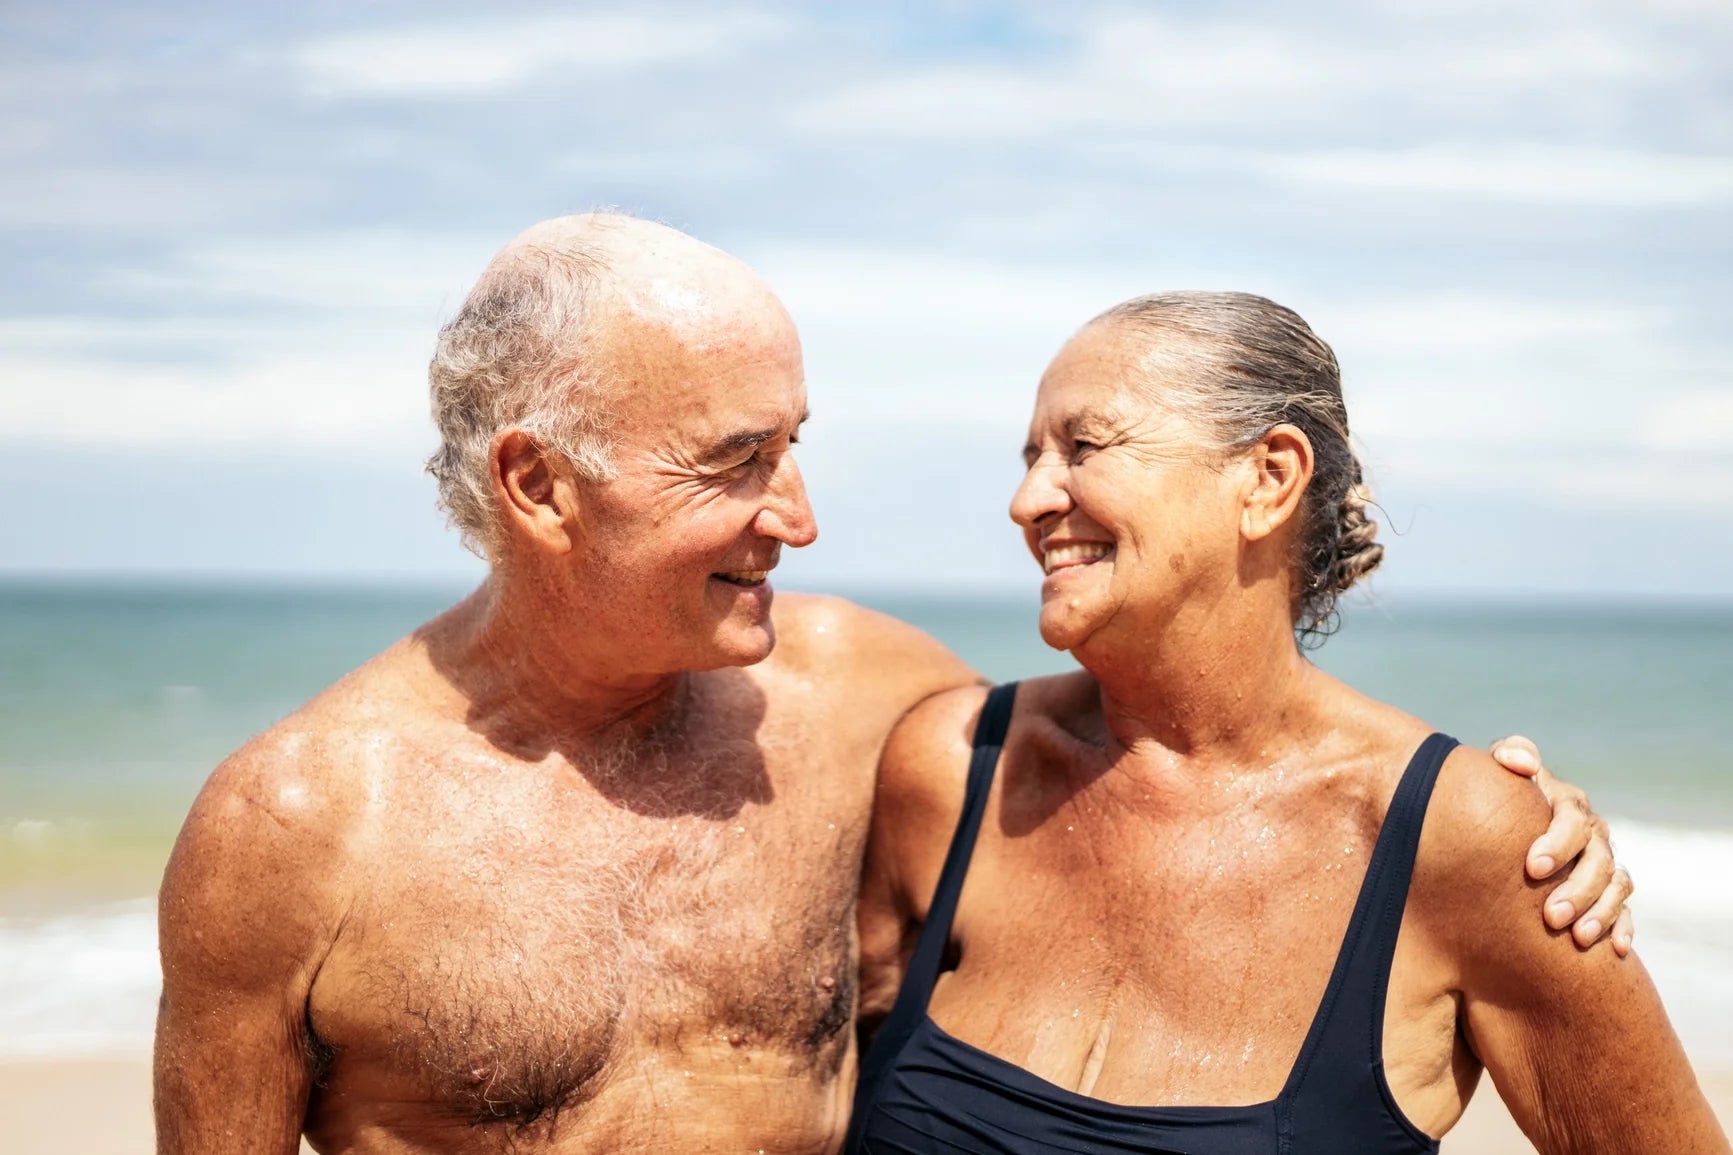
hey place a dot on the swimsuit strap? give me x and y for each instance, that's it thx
(929, 955)
(1348, 1031)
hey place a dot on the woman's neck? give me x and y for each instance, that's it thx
(1222, 684)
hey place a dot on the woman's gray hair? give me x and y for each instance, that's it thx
(1242, 366)
(514, 357)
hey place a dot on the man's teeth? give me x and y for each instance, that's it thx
(1083, 551)
(745, 577)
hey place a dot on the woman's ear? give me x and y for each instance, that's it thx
(1282, 464)
(536, 501)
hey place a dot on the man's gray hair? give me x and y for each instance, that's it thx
(514, 356)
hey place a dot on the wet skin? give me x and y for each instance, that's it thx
(1178, 832)
(518, 949)
(574, 867)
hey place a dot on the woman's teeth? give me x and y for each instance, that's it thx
(1077, 553)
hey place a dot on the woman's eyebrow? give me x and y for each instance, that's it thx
(1083, 419)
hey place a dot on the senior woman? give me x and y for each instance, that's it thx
(1200, 896)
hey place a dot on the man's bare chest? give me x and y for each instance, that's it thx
(506, 961)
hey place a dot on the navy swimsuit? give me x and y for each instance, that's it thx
(923, 1092)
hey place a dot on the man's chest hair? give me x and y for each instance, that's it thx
(501, 974)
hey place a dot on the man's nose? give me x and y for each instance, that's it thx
(786, 514)
(1041, 495)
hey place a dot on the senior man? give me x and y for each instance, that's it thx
(572, 867)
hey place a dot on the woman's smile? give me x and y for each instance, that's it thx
(1070, 555)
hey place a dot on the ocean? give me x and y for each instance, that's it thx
(117, 699)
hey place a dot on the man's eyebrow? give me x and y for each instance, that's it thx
(737, 443)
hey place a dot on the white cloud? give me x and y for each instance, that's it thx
(499, 54)
(1524, 173)
(1136, 72)
(363, 274)
(1697, 421)
(274, 398)
(311, 342)
(1484, 323)
(1603, 477)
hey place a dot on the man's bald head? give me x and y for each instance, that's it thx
(558, 325)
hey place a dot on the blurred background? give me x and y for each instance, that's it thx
(230, 233)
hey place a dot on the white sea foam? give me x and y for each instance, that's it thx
(79, 984)
(86, 983)
(1684, 912)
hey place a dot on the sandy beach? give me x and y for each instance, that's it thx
(102, 1107)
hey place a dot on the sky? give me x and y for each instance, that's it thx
(230, 233)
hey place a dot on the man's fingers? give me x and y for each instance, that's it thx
(1606, 909)
(1624, 932)
(1590, 878)
(1569, 833)
(1517, 754)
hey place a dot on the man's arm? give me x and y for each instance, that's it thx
(1577, 1041)
(245, 919)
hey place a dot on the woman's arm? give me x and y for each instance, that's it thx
(922, 774)
(1577, 1041)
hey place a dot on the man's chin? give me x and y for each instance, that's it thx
(736, 645)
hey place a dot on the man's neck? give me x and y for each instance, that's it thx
(510, 652)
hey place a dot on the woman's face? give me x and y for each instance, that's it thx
(1132, 518)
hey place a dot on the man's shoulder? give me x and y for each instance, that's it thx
(253, 890)
(313, 768)
(290, 801)
(828, 622)
(832, 634)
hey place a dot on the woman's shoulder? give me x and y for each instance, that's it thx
(1469, 871)
(925, 766)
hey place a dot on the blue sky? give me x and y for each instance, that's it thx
(232, 231)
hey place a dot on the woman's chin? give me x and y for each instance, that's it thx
(1062, 627)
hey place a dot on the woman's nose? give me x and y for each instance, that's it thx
(1041, 495)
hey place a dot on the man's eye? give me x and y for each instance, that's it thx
(1079, 448)
(745, 464)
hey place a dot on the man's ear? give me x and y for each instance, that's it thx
(536, 500)
(1282, 464)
